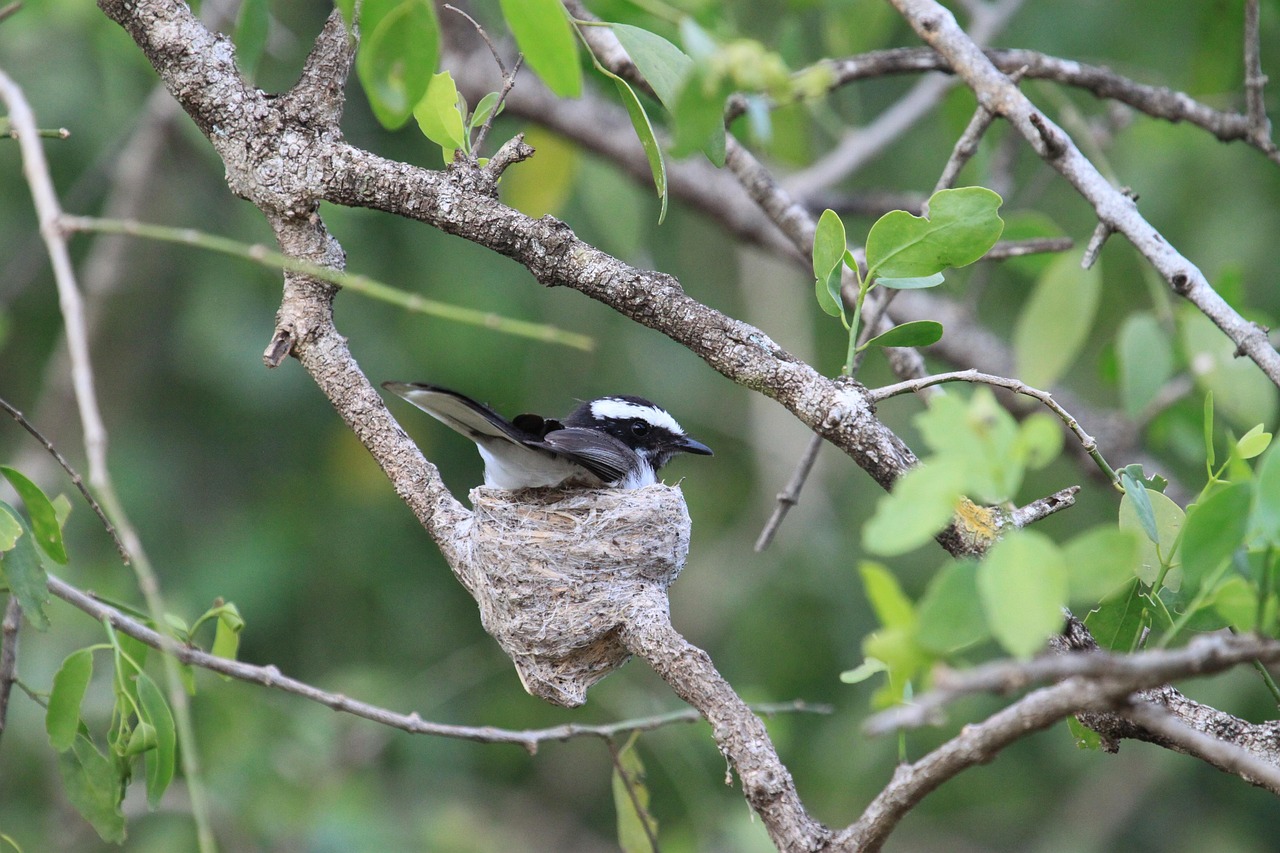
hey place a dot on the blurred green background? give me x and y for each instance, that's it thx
(245, 485)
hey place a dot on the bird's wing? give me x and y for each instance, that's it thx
(598, 452)
(475, 420)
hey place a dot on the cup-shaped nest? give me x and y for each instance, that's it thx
(555, 570)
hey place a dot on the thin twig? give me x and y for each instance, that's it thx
(1254, 80)
(642, 813)
(356, 283)
(508, 81)
(10, 9)
(1087, 442)
(790, 495)
(966, 146)
(270, 676)
(49, 212)
(479, 29)
(72, 473)
(8, 654)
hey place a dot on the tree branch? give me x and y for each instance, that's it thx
(938, 27)
(270, 676)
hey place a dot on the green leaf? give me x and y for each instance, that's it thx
(949, 616)
(918, 333)
(644, 130)
(1242, 393)
(699, 116)
(251, 34)
(962, 227)
(154, 711)
(482, 111)
(545, 36)
(863, 671)
(891, 605)
(43, 514)
(922, 502)
(828, 293)
(94, 787)
(226, 637)
(636, 825)
(397, 57)
(1253, 442)
(1165, 519)
(1056, 320)
(662, 64)
(1146, 361)
(10, 528)
(1266, 506)
(1022, 583)
(829, 244)
(1039, 440)
(141, 739)
(903, 659)
(1118, 621)
(438, 116)
(914, 283)
(1140, 504)
(1215, 529)
(981, 437)
(829, 251)
(1208, 429)
(1236, 601)
(21, 568)
(1085, 738)
(62, 716)
(1100, 560)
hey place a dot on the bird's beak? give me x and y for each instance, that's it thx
(692, 445)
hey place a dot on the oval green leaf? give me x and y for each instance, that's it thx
(1215, 529)
(829, 244)
(950, 612)
(921, 503)
(1265, 522)
(251, 34)
(1100, 561)
(916, 283)
(662, 64)
(62, 716)
(43, 514)
(918, 333)
(93, 785)
(10, 529)
(1023, 586)
(21, 568)
(1056, 321)
(644, 130)
(437, 113)
(545, 36)
(398, 58)
(962, 227)
(154, 711)
(1146, 361)
(890, 603)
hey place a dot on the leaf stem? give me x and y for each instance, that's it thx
(361, 284)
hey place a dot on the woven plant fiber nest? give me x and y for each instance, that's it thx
(555, 570)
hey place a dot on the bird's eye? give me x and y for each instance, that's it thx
(639, 428)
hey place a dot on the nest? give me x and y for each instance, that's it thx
(554, 572)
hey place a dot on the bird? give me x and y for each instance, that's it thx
(617, 442)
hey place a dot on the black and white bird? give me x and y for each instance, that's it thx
(612, 442)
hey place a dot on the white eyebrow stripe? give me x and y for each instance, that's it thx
(609, 407)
